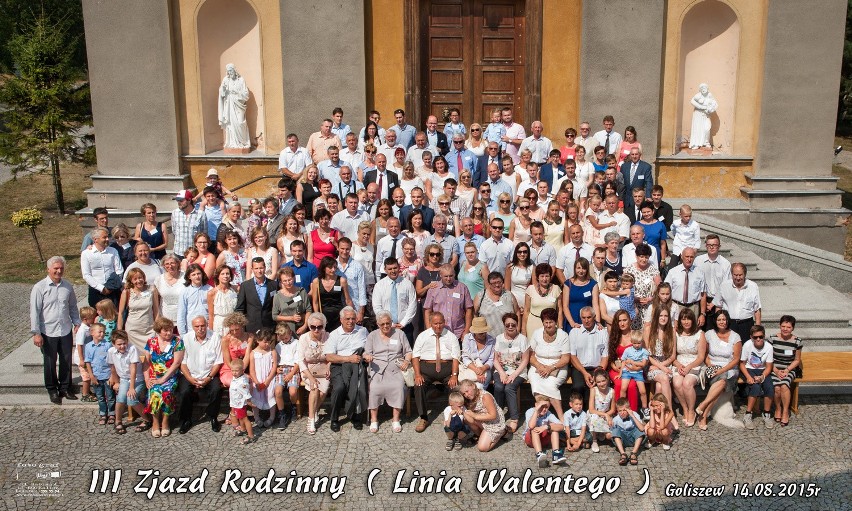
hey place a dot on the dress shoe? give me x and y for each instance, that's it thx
(68, 395)
(215, 426)
(335, 426)
(421, 425)
(54, 398)
(184, 427)
(357, 425)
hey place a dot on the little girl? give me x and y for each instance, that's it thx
(190, 255)
(255, 219)
(661, 424)
(239, 397)
(107, 316)
(601, 409)
(214, 182)
(287, 374)
(591, 227)
(262, 362)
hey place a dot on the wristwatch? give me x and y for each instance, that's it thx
(454, 374)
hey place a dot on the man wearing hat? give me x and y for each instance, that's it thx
(477, 354)
(186, 222)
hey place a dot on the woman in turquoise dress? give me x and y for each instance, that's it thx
(473, 273)
(582, 291)
(164, 357)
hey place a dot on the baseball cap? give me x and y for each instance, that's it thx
(183, 195)
(212, 172)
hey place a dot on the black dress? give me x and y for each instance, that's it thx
(309, 194)
(331, 303)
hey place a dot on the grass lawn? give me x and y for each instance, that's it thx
(58, 235)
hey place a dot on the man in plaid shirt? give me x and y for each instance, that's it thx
(186, 222)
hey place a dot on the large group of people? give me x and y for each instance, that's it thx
(477, 258)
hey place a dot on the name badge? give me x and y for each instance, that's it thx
(382, 230)
(788, 352)
(471, 269)
(661, 218)
(456, 295)
(297, 299)
(587, 294)
(298, 279)
(640, 176)
(336, 288)
(394, 342)
(498, 303)
(153, 231)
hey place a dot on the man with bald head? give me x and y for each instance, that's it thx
(435, 138)
(460, 157)
(688, 285)
(637, 174)
(421, 145)
(369, 206)
(320, 141)
(539, 145)
(637, 237)
(386, 179)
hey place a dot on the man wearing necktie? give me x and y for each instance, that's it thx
(636, 174)
(390, 245)
(492, 156)
(609, 139)
(386, 179)
(688, 286)
(395, 295)
(436, 356)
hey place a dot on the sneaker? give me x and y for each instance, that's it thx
(768, 421)
(451, 443)
(749, 423)
(283, 420)
(595, 447)
(311, 426)
(559, 458)
(646, 414)
(666, 447)
(542, 459)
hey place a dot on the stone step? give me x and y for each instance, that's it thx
(817, 199)
(130, 200)
(165, 184)
(791, 183)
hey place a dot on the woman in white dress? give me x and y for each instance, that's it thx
(608, 305)
(260, 247)
(222, 299)
(475, 143)
(409, 180)
(169, 285)
(549, 359)
(519, 275)
(691, 349)
(425, 172)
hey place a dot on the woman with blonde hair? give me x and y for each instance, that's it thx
(475, 142)
(465, 190)
(504, 212)
(308, 189)
(260, 247)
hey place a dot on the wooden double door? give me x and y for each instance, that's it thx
(473, 56)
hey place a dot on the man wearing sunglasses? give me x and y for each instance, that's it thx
(460, 157)
(496, 251)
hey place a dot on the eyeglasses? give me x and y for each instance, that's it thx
(434, 254)
(570, 136)
(478, 208)
(496, 226)
(485, 190)
(492, 148)
(458, 141)
(315, 327)
(475, 129)
(758, 337)
(443, 203)
(504, 201)
(522, 208)
(510, 324)
(371, 152)
(523, 252)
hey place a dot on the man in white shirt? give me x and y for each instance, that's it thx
(580, 190)
(688, 286)
(587, 140)
(346, 183)
(607, 137)
(202, 360)
(389, 147)
(515, 135)
(496, 251)
(356, 276)
(343, 349)
(540, 250)
(716, 270)
(611, 214)
(350, 154)
(741, 298)
(436, 140)
(390, 245)
(531, 181)
(589, 347)
(421, 145)
(293, 159)
(436, 355)
(568, 254)
(539, 145)
(637, 237)
(347, 221)
(330, 168)
(395, 295)
(102, 270)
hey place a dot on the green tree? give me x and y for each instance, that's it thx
(844, 106)
(17, 15)
(46, 102)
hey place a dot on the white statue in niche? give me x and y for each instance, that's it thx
(705, 104)
(233, 97)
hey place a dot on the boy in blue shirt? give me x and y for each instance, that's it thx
(576, 424)
(98, 367)
(496, 130)
(633, 363)
(627, 430)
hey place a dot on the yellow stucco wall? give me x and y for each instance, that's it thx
(705, 178)
(560, 67)
(385, 61)
(188, 73)
(236, 172)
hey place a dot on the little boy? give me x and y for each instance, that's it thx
(240, 398)
(576, 424)
(627, 430)
(454, 426)
(96, 364)
(496, 130)
(214, 182)
(288, 375)
(128, 380)
(685, 233)
(81, 338)
(756, 365)
(542, 431)
(633, 362)
(625, 295)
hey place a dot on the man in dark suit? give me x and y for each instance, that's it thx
(552, 171)
(275, 220)
(492, 155)
(255, 298)
(386, 179)
(435, 138)
(632, 211)
(417, 205)
(636, 174)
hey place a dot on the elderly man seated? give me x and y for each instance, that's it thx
(343, 351)
(200, 370)
(436, 356)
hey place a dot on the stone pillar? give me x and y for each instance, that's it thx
(323, 63)
(131, 71)
(621, 67)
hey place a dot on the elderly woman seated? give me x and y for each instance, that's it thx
(316, 372)
(477, 354)
(388, 354)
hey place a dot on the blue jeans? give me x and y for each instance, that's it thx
(628, 437)
(106, 397)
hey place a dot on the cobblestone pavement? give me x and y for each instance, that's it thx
(15, 319)
(69, 446)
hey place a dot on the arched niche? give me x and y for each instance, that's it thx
(709, 53)
(229, 32)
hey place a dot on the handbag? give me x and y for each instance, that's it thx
(466, 373)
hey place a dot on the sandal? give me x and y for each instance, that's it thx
(239, 432)
(111, 419)
(155, 433)
(634, 460)
(120, 429)
(512, 425)
(623, 459)
(102, 421)
(89, 398)
(249, 440)
(143, 426)
(397, 427)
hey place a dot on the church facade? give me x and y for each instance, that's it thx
(773, 68)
